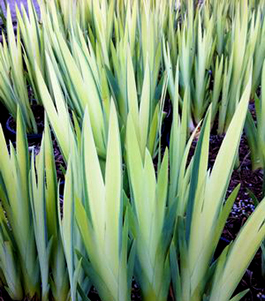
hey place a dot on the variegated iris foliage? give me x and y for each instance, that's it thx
(13, 88)
(163, 231)
(255, 129)
(103, 71)
(99, 44)
(216, 44)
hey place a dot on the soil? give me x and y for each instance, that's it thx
(38, 112)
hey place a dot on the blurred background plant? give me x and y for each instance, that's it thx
(3, 22)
